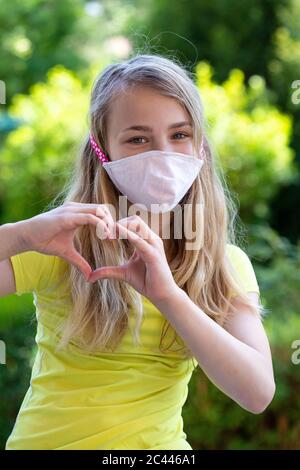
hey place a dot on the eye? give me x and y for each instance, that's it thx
(133, 138)
(181, 133)
(140, 137)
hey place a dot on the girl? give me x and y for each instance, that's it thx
(113, 295)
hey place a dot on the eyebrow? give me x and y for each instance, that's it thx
(149, 129)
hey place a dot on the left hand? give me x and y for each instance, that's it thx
(147, 270)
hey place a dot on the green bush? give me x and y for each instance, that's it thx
(250, 136)
(17, 330)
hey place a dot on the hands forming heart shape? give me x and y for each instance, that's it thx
(147, 270)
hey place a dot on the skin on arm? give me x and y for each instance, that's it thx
(7, 284)
(10, 244)
(236, 359)
(50, 233)
(243, 322)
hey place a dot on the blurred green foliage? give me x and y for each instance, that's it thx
(49, 58)
(219, 32)
(38, 155)
(251, 136)
(17, 330)
(38, 34)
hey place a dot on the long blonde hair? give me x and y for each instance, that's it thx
(100, 314)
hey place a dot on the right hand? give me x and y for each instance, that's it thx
(53, 232)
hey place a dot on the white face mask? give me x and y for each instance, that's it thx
(158, 178)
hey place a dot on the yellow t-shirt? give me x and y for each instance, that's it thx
(129, 399)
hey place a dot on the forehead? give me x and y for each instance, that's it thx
(144, 105)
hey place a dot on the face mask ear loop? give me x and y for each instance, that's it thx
(100, 154)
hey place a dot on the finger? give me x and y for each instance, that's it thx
(108, 272)
(134, 256)
(115, 272)
(141, 245)
(137, 225)
(79, 262)
(103, 209)
(103, 213)
(88, 208)
(102, 231)
(74, 220)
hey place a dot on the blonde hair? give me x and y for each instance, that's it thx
(100, 314)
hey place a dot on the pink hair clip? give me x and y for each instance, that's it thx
(100, 154)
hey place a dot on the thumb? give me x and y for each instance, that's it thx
(79, 262)
(109, 272)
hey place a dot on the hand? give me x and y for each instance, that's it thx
(53, 232)
(147, 270)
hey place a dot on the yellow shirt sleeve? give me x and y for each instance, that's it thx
(244, 271)
(32, 271)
